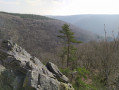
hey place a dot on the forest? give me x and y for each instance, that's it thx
(88, 60)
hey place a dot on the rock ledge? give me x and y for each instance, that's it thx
(29, 73)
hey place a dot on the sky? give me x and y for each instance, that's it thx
(60, 7)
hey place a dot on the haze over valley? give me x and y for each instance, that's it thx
(59, 45)
(94, 22)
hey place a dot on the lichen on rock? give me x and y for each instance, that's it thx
(26, 72)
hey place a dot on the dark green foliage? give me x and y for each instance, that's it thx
(77, 80)
(79, 84)
(67, 34)
(83, 72)
(70, 50)
(68, 38)
(97, 82)
(66, 71)
(28, 16)
(37, 36)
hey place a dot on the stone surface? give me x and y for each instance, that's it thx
(27, 72)
(53, 68)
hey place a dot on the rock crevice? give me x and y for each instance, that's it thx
(29, 72)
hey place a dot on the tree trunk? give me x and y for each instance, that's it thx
(68, 49)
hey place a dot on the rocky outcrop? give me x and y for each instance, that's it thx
(53, 68)
(26, 72)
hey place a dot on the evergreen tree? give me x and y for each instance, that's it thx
(68, 37)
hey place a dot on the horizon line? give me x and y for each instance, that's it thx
(56, 14)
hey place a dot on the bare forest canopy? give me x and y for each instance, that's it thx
(97, 63)
(37, 34)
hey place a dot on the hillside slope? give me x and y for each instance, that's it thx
(37, 35)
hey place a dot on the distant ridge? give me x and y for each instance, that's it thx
(37, 31)
(94, 22)
(28, 16)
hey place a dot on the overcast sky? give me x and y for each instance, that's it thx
(60, 7)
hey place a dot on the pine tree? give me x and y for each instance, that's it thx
(68, 37)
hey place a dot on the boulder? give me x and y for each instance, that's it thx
(27, 72)
(54, 69)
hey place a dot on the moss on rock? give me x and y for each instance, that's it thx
(64, 86)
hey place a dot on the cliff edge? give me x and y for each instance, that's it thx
(21, 71)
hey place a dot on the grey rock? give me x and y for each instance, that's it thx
(54, 69)
(29, 72)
